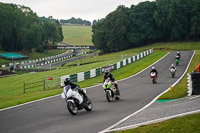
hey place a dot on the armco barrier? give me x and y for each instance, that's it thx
(42, 61)
(193, 83)
(96, 72)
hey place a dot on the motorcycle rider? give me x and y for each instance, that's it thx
(172, 67)
(178, 52)
(75, 87)
(154, 70)
(109, 75)
(177, 57)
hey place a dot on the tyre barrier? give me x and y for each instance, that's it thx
(193, 83)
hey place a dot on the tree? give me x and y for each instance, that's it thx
(111, 32)
(169, 16)
(98, 36)
(51, 33)
(143, 29)
(22, 30)
(195, 21)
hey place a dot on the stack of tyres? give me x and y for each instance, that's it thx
(195, 83)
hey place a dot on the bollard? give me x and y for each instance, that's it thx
(171, 89)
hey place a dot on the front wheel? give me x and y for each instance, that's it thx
(89, 106)
(153, 81)
(108, 96)
(72, 107)
(173, 74)
(117, 97)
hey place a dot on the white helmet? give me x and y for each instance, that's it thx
(153, 67)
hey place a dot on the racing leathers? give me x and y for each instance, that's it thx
(110, 76)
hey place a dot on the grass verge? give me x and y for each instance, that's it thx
(186, 124)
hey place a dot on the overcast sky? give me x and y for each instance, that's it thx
(65, 9)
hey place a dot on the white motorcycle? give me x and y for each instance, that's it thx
(172, 71)
(75, 101)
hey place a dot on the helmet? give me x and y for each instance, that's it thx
(106, 72)
(153, 67)
(67, 81)
(172, 65)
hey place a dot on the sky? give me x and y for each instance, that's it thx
(65, 9)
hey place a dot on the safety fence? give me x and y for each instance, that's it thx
(193, 80)
(96, 72)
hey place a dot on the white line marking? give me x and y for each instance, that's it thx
(121, 121)
(28, 102)
(154, 121)
(194, 97)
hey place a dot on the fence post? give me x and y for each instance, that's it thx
(24, 87)
(44, 84)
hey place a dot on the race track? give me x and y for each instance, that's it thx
(51, 115)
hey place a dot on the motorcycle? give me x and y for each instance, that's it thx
(75, 100)
(177, 61)
(173, 72)
(153, 77)
(110, 90)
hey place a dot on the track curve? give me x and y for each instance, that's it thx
(51, 115)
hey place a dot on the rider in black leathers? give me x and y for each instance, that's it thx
(75, 87)
(109, 75)
(178, 55)
(154, 70)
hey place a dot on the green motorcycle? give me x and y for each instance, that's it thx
(177, 62)
(110, 90)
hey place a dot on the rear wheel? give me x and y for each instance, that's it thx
(72, 107)
(108, 96)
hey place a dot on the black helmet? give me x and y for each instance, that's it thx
(106, 72)
(67, 81)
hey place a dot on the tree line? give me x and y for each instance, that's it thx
(146, 23)
(75, 21)
(22, 30)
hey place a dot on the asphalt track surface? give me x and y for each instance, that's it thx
(51, 115)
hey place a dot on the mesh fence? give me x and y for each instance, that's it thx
(51, 82)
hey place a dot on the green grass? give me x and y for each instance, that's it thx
(77, 35)
(177, 45)
(180, 90)
(106, 59)
(11, 90)
(186, 124)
